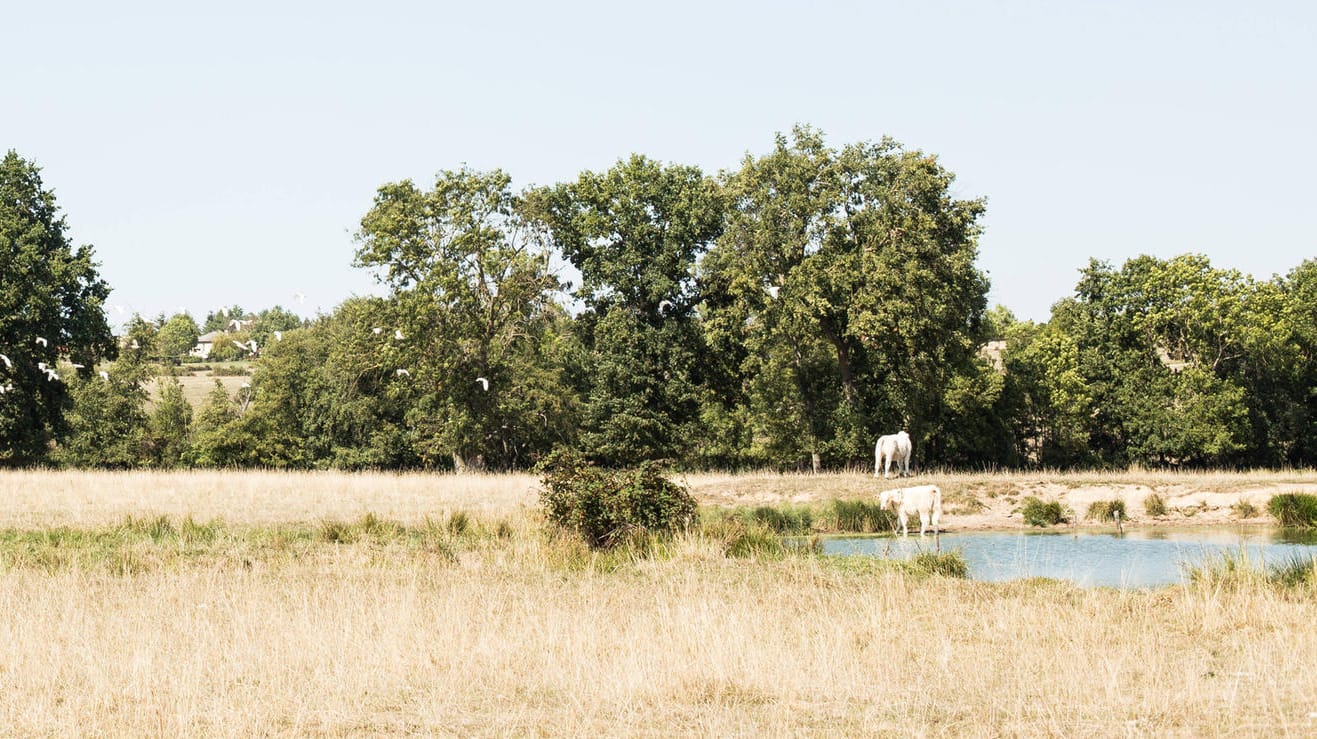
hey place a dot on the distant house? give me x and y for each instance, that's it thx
(205, 343)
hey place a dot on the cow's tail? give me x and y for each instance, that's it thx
(937, 509)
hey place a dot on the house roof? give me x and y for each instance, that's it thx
(209, 337)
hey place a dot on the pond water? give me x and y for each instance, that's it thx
(1137, 559)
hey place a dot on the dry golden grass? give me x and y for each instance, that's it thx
(529, 635)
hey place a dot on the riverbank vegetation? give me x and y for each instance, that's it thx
(780, 316)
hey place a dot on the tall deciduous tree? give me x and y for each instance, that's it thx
(635, 232)
(51, 301)
(472, 333)
(851, 284)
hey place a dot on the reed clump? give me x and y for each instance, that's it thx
(1294, 510)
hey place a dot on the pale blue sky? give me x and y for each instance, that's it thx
(226, 154)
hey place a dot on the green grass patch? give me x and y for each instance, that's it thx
(1294, 510)
(1237, 569)
(1037, 512)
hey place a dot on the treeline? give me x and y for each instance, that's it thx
(780, 315)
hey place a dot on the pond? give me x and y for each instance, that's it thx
(1137, 559)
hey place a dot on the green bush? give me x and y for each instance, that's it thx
(607, 507)
(1154, 505)
(1039, 513)
(1106, 510)
(1294, 510)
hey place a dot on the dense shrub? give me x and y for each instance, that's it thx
(606, 507)
(1294, 510)
(1106, 510)
(1039, 513)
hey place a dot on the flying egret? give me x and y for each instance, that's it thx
(78, 366)
(299, 297)
(278, 336)
(402, 373)
(42, 341)
(483, 383)
(772, 291)
(377, 330)
(397, 334)
(135, 345)
(51, 374)
(8, 364)
(253, 345)
(663, 311)
(239, 344)
(104, 375)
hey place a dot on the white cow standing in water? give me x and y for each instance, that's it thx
(926, 500)
(893, 447)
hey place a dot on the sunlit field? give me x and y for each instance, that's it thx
(238, 604)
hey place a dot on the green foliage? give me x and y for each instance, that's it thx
(635, 233)
(50, 290)
(470, 319)
(1036, 512)
(107, 423)
(944, 564)
(177, 336)
(862, 516)
(849, 297)
(1294, 510)
(1106, 510)
(605, 507)
(168, 439)
(1154, 505)
(782, 521)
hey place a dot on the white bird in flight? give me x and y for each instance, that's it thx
(377, 330)
(8, 364)
(135, 345)
(253, 345)
(78, 366)
(42, 341)
(483, 383)
(239, 344)
(397, 334)
(664, 307)
(105, 375)
(402, 373)
(299, 297)
(278, 336)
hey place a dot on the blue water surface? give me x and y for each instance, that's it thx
(1136, 559)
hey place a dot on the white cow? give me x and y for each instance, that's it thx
(926, 500)
(893, 447)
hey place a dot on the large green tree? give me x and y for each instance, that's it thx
(848, 284)
(471, 336)
(51, 299)
(635, 233)
(1162, 347)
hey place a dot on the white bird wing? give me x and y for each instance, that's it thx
(398, 334)
(483, 383)
(42, 341)
(239, 344)
(105, 375)
(8, 364)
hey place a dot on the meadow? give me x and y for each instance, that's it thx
(292, 604)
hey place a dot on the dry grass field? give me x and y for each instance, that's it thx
(451, 612)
